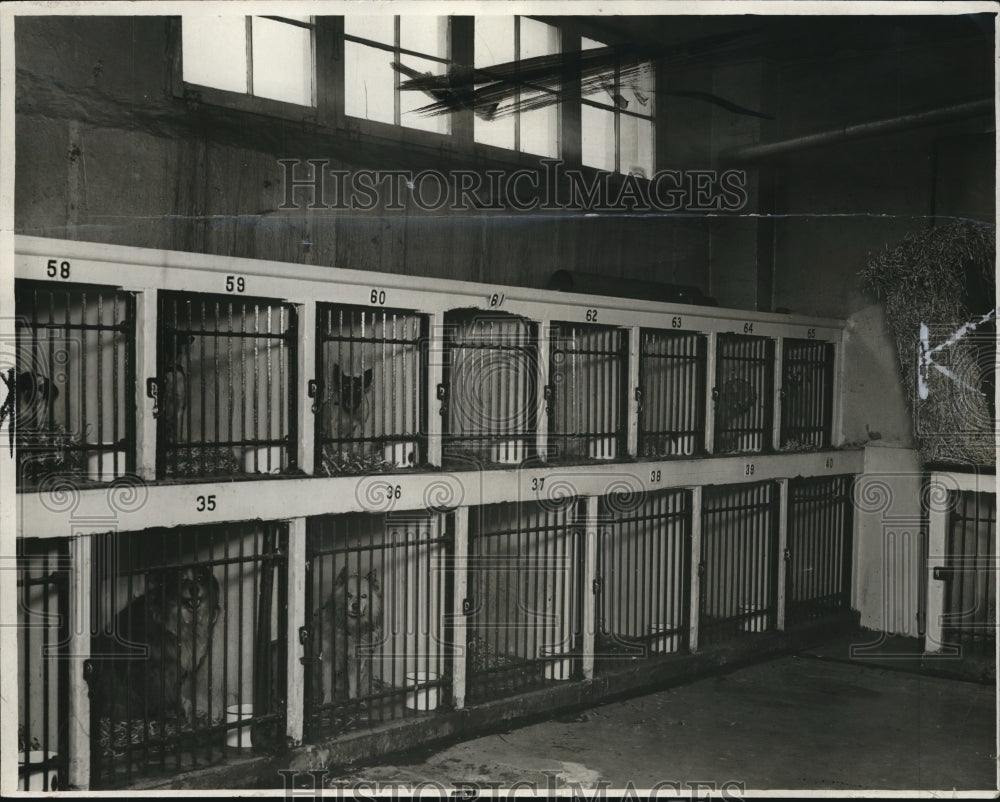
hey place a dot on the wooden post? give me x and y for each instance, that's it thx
(435, 377)
(145, 368)
(294, 670)
(709, 402)
(779, 619)
(460, 592)
(589, 586)
(305, 451)
(541, 418)
(631, 405)
(695, 600)
(81, 550)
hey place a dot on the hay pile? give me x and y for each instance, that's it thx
(943, 278)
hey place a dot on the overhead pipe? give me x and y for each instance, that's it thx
(769, 150)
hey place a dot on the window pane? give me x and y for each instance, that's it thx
(378, 29)
(599, 87)
(636, 145)
(598, 133)
(494, 44)
(369, 83)
(427, 35)
(282, 61)
(410, 101)
(214, 52)
(540, 131)
(637, 89)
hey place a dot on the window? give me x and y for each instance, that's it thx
(268, 57)
(617, 117)
(372, 87)
(501, 40)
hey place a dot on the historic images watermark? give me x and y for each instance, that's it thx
(314, 184)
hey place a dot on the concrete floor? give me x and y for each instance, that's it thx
(797, 722)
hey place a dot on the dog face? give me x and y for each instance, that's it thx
(351, 390)
(358, 600)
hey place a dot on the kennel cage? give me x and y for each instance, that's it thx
(489, 391)
(643, 582)
(819, 547)
(187, 665)
(743, 393)
(524, 602)
(738, 565)
(378, 636)
(970, 603)
(585, 397)
(369, 396)
(74, 382)
(43, 668)
(671, 393)
(225, 387)
(806, 394)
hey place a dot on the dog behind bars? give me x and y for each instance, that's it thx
(350, 626)
(150, 665)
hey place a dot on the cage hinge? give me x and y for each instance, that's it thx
(945, 572)
(315, 391)
(781, 393)
(715, 393)
(549, 394)
(442, 396)
(701, 568)
(596, 585)
(466, 606)
(304, 635)
(88, 670)
(153, 387)
(638, 399)
(787, 555)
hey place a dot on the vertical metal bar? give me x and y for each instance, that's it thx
(836, 393)
(631, 407)
(694, 601)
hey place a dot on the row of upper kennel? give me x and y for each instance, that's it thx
(404, 614)
(233, 384)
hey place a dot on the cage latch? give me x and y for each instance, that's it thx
(442, 396)
(315, 391)
(945, 572)
(597, 585)
(88, 670)
(638, 399)
(153, 391)
(549, 394)
(304, 635)
(466, 606)
(715, 393)
(701, 568)
(788, 554)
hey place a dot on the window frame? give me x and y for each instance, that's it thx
(560, 125)
(618, 112)
(197, 94)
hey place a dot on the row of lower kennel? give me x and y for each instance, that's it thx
(225, 394)
(404, 613)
